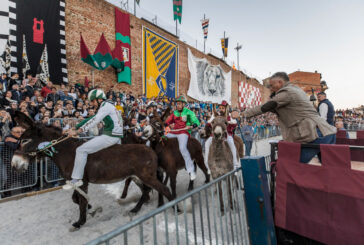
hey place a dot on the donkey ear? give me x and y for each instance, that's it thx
(214, 109)
(166, 114)
(23, 120)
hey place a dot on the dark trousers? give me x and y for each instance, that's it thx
(248, 147)
(308, 153)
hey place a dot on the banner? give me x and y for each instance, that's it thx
(249, 96)
(205, 27)
(177, 10)
(224, 46)
(208, 82)
(40, 23)
(122, 33)
(160, 65)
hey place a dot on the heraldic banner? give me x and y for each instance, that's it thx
(35, 33)
(160, 65)
(249, 96)
(208, 82)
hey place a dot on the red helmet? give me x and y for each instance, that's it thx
(224, 103)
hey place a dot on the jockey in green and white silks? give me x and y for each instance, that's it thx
(112, 134)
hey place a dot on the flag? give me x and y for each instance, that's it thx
(137, 1)
(25, 61)
(5, 58)
(43, 70)
(224, 46)
(205, 27)
(122, 33)
(177, 10)
(101, 59)
(118, 59)
(160, 65)
(86, 55)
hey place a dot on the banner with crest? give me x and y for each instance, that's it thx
(160, 65)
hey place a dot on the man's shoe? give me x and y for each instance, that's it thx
(73, 184)
(193, 176)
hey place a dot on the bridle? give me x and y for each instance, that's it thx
(48, 149)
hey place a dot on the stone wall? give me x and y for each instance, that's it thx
(93, 17)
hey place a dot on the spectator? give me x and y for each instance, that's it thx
(29, 88)
(248, 133)
(14, 80)
(46, 89)
(4, 81)
(325, 108)
(15, 93)
(5, 123)
(53, 96)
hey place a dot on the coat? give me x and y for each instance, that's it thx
(297, 116)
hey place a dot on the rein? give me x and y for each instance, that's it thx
(50, 145)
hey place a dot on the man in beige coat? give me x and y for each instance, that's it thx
(298, 119)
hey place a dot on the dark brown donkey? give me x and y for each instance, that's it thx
(106, 166)
(169, 156)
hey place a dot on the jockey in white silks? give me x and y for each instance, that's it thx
(112, 134)
(232, 123)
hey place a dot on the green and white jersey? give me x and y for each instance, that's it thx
(113, 122)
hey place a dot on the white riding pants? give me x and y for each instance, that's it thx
(230, 141)
(182, 143)
(93, 145)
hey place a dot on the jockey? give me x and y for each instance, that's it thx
(232, 124)
(112, 134)
(181, 120)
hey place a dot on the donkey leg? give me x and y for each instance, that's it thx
(201, 164)
(126, 187)
(190, 185)
(83, 209)
(160, 178)
(75, 199)
(154, 183)
(144, 198)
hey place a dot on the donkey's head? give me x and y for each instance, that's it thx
(219, 127)
(156, 126)
(33, 136)
(206, 131)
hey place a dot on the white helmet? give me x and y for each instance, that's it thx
(96, 94)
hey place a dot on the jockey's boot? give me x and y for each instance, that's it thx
(192, 176)
(73, 184)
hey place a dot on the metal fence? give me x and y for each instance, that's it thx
(40, 173)
(207, 216)
(11, 179)
(355, 127)
(263, 132)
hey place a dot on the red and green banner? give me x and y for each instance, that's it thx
(102, 57)
(177, 10)
(122, 33)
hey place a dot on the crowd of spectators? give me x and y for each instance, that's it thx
(353, 119)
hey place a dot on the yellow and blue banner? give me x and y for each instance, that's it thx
(160, 65)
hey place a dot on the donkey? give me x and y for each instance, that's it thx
(220, 156)
(206, 132)
(107, 166)
(169, 157)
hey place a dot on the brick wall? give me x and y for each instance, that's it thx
(306, 80)
(93, 17)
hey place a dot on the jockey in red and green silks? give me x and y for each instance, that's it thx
(182, 121)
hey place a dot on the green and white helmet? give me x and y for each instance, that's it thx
(96, 94)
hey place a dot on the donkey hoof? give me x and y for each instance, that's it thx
(75, 227)
(95, 211)
(134, 210)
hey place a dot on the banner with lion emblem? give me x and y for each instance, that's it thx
(208, 82)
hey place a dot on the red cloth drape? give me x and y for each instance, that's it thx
(324, 203)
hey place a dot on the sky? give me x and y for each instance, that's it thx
(326, 36)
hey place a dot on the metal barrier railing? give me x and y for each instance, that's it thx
(208, 216)
(11, 180)
(263, 132)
